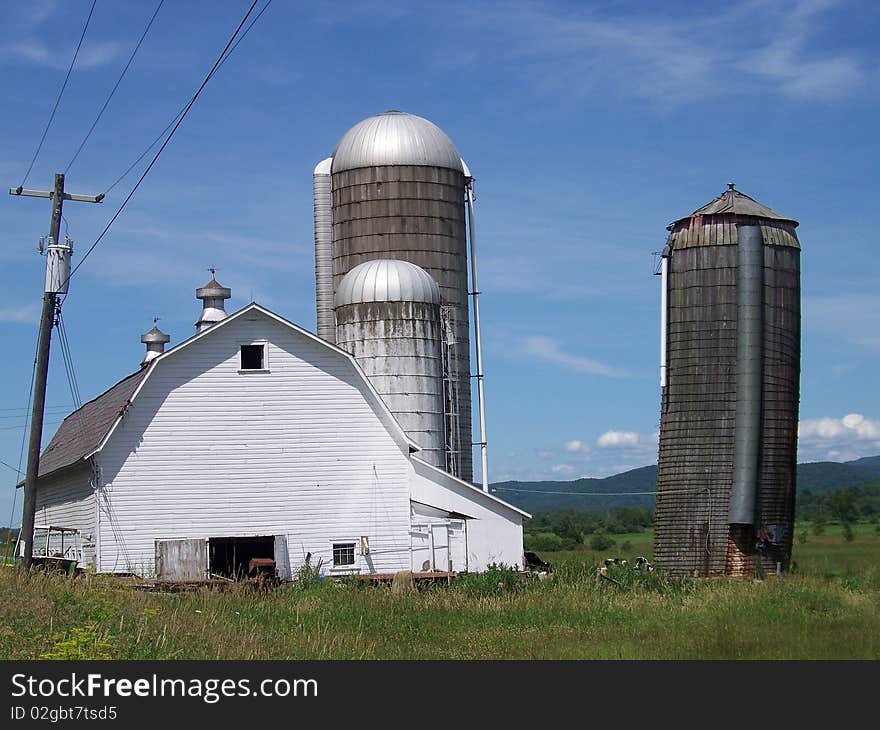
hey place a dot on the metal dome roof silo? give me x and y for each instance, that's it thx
(387, 280)
(395, 138)
(729, 413)
(388, 318)
(395, 189)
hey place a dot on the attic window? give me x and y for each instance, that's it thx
(253, 357)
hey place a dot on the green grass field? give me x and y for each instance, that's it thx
(829, 608)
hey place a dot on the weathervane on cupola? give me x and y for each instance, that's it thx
(155, 340)
(212, 294)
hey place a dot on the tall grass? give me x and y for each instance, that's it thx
(817, 613)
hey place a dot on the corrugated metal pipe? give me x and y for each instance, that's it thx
(749, 375)
(323, 202)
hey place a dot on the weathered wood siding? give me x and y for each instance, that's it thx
(411, 213)
(301, 451)
(699, 404)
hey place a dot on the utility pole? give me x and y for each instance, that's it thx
(58, 257)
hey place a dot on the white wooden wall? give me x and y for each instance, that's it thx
(301, 451)
(494, 530)
(67, 499)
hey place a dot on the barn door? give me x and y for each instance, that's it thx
(181, 560)
(440, 545)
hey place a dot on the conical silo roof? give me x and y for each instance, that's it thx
(734, 202)
(714, 224)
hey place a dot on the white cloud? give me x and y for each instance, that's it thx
(28, 314)
(545, 348)
(577, 447)
(852, 426)
(617, 439)
(562, 469)
(838, 439)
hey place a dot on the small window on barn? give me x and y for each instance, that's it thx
(253, 357)
(343, 554)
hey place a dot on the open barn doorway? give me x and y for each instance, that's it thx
(237, 558)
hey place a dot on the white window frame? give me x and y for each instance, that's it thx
(348, 567)
(265, 345)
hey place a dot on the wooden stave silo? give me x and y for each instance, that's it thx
(698, 410)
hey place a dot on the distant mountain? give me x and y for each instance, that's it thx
(622, 490)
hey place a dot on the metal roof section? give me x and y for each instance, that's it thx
(213, 290)
(387, 280)
(733, 202)
(395, 138)
(84, 429)
(323, 167)
(474, 490)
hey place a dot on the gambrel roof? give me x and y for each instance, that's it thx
(85, 431)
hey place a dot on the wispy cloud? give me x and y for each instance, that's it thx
(28, 314)
(35, 51)
(738, 47)
(547, 349)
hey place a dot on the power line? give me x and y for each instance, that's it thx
(573, 494)
(60, 94)
(115, 86)
(167, 140)
(8, 465)
(183, 108)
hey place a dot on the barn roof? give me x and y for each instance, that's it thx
(84, 429)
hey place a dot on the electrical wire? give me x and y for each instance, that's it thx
(9, 466)
(115, 86)
(167, 140)
(60, 94)
(572, 494)
(183, 108)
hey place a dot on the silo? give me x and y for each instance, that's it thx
(388, 318)
(730, 371)
(398, 188)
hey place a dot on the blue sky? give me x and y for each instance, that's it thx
(589, 127)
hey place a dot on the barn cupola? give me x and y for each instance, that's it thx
(212, 295)
(155, 340)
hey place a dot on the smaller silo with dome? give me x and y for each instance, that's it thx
(388, 318)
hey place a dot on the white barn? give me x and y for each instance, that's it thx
(256, 438)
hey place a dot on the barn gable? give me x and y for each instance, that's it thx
(207, 448)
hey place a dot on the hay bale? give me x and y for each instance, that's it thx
(403, 582)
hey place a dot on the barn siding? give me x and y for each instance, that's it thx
(303, 451)
(494, 532)
(67, 499)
